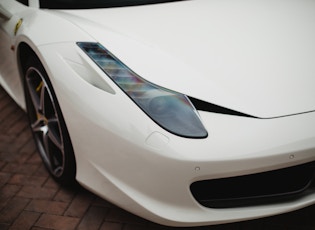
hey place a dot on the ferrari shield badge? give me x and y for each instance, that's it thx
(17, 26)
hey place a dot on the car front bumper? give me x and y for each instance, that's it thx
(126, 158)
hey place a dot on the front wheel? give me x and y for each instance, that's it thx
(47, 124)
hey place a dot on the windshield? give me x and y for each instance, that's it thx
(89, 4)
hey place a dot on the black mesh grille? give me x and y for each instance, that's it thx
(261, 188)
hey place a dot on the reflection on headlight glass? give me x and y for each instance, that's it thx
(172, 111)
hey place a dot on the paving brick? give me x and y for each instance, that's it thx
(41, 171)
(6, 111)
(27, 169)
(11, 167)
(14, 118)
(23, 138)
(4, 178)
(79, 205)
(9, 148)
(51, 183)
(49, 207)
(135, 227)
(13, 143)
(5, 101)
(119, 215)
(19, 125)
(2, 163)
(8, 157)
(101, 202)
(39, 228)
(234, 226)
(57, 222)
(29, 148)
(37, 192)
(93, 218)
(21, 179)
(65, 195)
(6, 193)
(23, 157)
(112, 226)
(14, 157)
(4, 226)
(25, 221)
(153, 226)
(9, 190)
(34, 158)
(12, 210)
(5, 140)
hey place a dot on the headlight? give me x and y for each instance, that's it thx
(172, 111)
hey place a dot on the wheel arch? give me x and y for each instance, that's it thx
(24, 53)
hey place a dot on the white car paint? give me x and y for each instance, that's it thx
(139, 165)
(263, 48)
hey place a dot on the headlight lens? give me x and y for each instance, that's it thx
(172, 111)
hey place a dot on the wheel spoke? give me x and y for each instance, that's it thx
(54, 133)
(42, 97)
(33, 94)
(46, 148)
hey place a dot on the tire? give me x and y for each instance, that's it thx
(47, 124)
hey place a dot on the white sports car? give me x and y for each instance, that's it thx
(186, 113)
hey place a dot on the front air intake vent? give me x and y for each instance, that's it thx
(256, 189)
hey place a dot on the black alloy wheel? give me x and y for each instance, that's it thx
(47, 124)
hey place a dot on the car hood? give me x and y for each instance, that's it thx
(255, 57)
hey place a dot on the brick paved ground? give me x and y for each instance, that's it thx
(30, 199)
